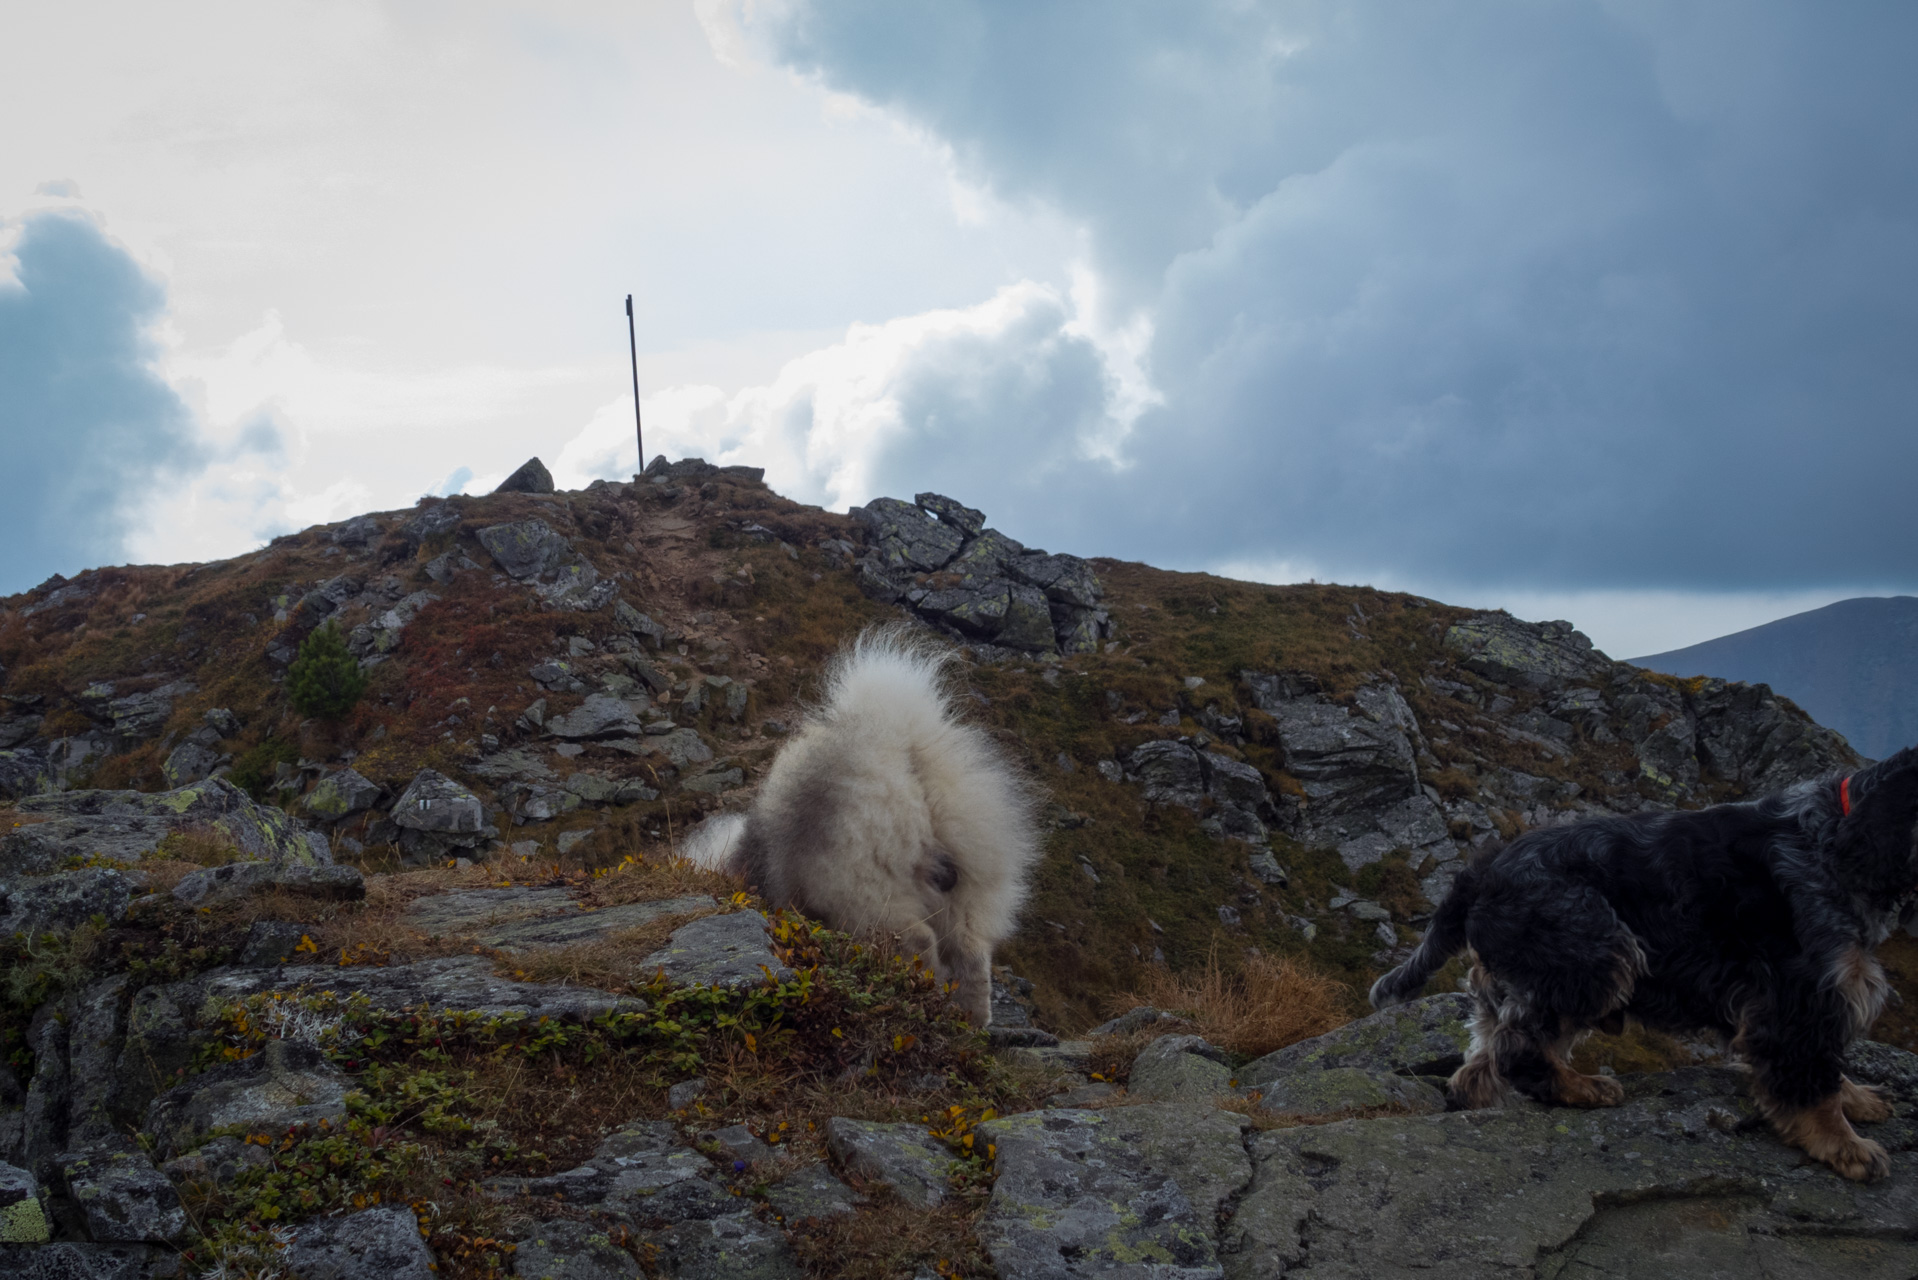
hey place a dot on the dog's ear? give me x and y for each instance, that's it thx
(1887, 792)
(1880, 834)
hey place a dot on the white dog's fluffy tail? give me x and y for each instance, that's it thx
(712, 843)
(887, 813)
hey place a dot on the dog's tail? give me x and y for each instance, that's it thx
(712, 843)
(1445, 939)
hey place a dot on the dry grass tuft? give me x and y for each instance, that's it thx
(202, 846)
(892, 1239)
(1267, 1005)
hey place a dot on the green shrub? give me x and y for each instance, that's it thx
(325, 680)
(253, 769)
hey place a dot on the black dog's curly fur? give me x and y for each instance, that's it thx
(1753, 920)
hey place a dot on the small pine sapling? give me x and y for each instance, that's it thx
(325, 680)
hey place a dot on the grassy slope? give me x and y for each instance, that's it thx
(750, 609)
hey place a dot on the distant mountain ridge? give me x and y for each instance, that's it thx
(1852, 665)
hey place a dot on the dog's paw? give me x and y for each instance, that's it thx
(1576, 1090)
(1860, 1159)
(1863, 1103)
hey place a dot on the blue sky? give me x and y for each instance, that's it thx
(1594, 310)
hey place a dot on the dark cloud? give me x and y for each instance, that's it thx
(1570, 295)
(88, 427)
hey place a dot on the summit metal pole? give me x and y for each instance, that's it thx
(632, 345)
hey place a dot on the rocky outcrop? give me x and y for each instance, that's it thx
(126, 826)
(530, 552)
(936, 557)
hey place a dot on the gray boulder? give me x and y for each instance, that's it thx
(1074, 1197)
(341, 794)
(39, 904)
(128, 825)
(1421, 1037)
(381, 1243)
(600, 716)
(537, 801)
(189, 762)
(530, 551)
(357, 532)
(732, 950)
(1170, 772)
(124, 1198)
(903, 1157)
(1180, 1067)
(532, 477)
(435, 803)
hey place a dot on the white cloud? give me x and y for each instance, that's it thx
(950, 396)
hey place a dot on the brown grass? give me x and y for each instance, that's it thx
(1267, 1005)
(202, 846)
(893, 1239)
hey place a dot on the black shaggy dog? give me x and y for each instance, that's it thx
(1754, 920)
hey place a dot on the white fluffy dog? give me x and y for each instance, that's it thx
(886, 814)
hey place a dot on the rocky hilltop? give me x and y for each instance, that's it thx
(424, 986)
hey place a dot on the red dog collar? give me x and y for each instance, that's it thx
(1844, 797)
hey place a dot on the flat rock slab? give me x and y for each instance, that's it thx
(534, 919)
(1311, 1093)
(373, 1244)
(1420, 1037)
(904, 1157)
(1677, 1182)
(464, 983)
(732, 950)
(572, 1251)
(1074, 1198)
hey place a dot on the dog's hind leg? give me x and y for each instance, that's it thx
(1478, 1082)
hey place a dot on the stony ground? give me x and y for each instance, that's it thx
(426, 988)
(300, 1117)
